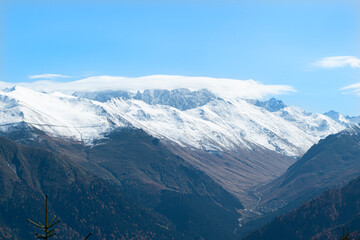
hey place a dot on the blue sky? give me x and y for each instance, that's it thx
(273, 42)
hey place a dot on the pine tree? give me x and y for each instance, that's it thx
(345, 236)
(46, 228)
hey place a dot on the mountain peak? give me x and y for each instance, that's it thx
(333, 114)
(181, 98)
(272, 105)
(344, 120)
(14, 88)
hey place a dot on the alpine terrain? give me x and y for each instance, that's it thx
(190, 163)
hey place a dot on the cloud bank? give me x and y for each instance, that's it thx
(339, 61)
(225, 87)
(353, 88)
(48, 76)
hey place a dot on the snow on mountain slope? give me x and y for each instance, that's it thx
(56, 113)
(182, 98)
(256, 125)
(218, 124)
(176, 125)
(317, 125)
(222, 125)
(272, 105)
(344, 120)
(314, 124)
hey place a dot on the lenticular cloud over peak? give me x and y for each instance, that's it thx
(48, 76)
(226, 87)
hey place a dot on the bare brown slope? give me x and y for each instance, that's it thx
(332, 162)
(320, 218)
(237, 171)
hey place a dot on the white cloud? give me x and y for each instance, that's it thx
(339, 61)
(48, 76)
(352, 88)
(4, 85)
(221, 86)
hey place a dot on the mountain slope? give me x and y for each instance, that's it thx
(236, 171)
(332, 162)
(56, 113)
(344, 120)
(320, 218)
(195, 119)
(161, 180)
(236, 142)
(81, 201)
(154, 177)
(223, 124)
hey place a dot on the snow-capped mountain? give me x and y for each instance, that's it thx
(180, 98)
(314, 124)
(272, 105)
(55, 113)
(197, 119)
(344, 120)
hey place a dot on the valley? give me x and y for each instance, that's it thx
(190, 150)
(180, 120)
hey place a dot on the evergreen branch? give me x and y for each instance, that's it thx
(51, 235)
(40, 235)
(36, 224)
(43, 237)
(54, 224)
(40, 224)
(88, 236)
(52, 219)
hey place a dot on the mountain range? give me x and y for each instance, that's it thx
(239, 143)
(344, 120)
(194, 119)
(194, 163)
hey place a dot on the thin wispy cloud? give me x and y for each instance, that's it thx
(48, 76)
(225, 87)
(352, 88)
(337, 62)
